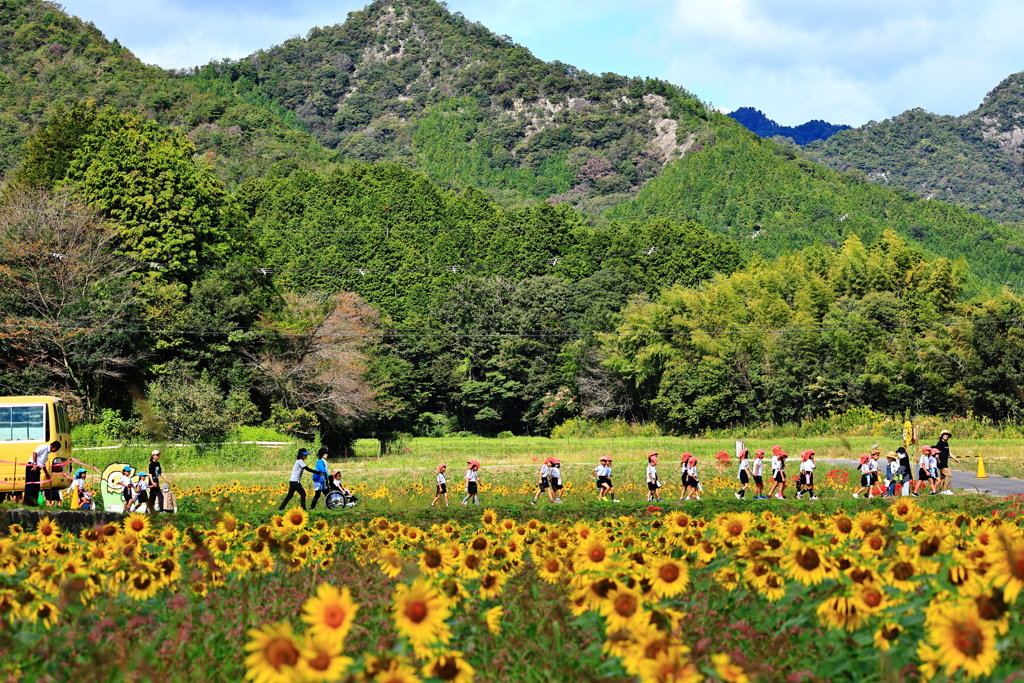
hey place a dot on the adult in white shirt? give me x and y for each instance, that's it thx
(35, 468)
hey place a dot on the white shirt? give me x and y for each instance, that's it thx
(604, 471)
(866, 467)
(874, 465)
(142, 485)
(652, 474)
(544, 471)
(933, 462)
(40, 455)
(744, 466)
(807, 466)
(78, 484)
(776, 464)
(297, 469)
(441, 479)
(922, 462)
(693, 471)
(471, 475)
(556, 474)
(126, 481)
(758, 466)
(892, 469)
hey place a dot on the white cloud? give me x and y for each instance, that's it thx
(846, 61)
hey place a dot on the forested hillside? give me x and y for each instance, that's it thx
(49, 59)
(975, 160)
(459, 238)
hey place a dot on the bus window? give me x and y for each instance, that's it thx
(23, 423)
(63, 423)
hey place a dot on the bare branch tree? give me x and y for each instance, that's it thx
(63, 291)
(318, 363)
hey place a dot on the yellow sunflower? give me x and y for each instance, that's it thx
(436, 559)
(493, 617)
(136, 524)
(330, 613)
(390, 562)
(295, 518)
(47, 531)
(449, 667)
(1008, 566)
(806, 565)
(961, 641)
(622, 609)
(419, 612)
(142, 585)
(733, 526)
(273, 654)
(727, 670)
(670, 667)
(550, 569)
(321, 660)
(668, 577)
(593, 555)
(491, 585)
(397, 671)
(887, 635)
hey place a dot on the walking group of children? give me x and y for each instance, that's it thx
(895, 477)
(754, 469)
(472, 478)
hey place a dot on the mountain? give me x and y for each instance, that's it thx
(51, 60)
(755, 121)
(975, 161)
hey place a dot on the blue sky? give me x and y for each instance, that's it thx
(845, 61)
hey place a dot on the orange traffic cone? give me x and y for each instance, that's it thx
(981, 469)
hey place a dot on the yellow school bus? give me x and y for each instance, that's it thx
(25, 423)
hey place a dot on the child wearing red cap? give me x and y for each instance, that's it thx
(805, 483)
(555, 480)
(743, 474)
(442, 485)
(653, 485)
(758, 473)
(543, 486)
(778, 472)
(472, 478)
(865, 466)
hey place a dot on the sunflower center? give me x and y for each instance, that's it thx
(432, 558)
(668, 573)
(334, 616)
(472, 561)
(872, 598)
(804, 531)
(808, 559)
(281, 652)
(416, 611)
(968, 640)
(625, 605)
(295, 519)
(860, 575)
(489, 581)
(903, 571)
(890, 633)
(138, 525)
(596, 554)
(875, 543)
(141, 582)
(479, 543)
(446, 668)
(844, 525)
(929, 547)
(552, 566)
(322, 662)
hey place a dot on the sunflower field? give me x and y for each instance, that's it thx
(902, 593)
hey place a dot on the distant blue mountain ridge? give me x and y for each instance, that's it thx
(757, 122)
